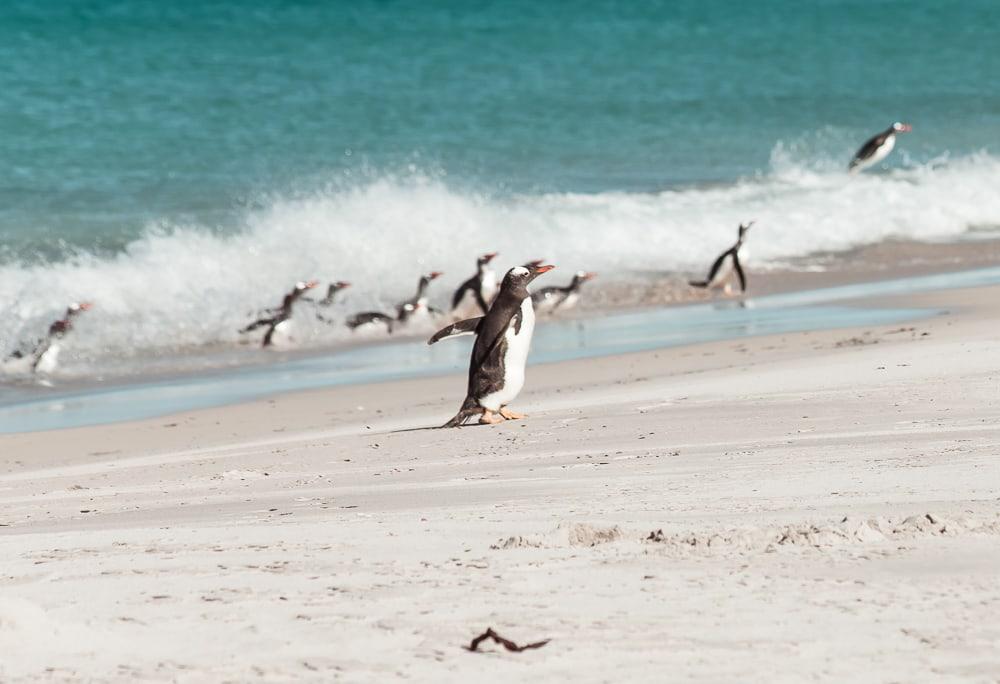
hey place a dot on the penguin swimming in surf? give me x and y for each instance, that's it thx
(276, 320)
(414, 307)
(45, 354)
(476, 294)
(331, 294)
(550, 299)
(877, 147)
(723, 268)
(332, 291)
(503, 337)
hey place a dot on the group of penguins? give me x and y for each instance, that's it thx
(500, 313)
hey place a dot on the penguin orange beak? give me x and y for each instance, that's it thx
(589, 275)
(343, 284)
(435, 274)
(311, 284)
(906, 128)
(490, 256)
(86, 306)
(539, 270)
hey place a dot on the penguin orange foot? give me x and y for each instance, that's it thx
(510, 415)
(490, 418)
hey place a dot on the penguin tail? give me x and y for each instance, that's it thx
(469, 409)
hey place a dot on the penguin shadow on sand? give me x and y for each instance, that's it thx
(499, 355)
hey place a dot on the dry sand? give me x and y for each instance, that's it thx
(815, 506)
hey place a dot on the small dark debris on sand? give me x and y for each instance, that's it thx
(506, 643)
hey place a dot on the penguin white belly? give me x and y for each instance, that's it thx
(49, 359)
(879, 154)
(514, 360)
(490, 288)
(283, 334)
(724, 273)
(569, 302)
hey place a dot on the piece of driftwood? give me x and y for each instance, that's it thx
(506, 643)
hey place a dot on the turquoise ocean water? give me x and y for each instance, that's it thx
(182, 163)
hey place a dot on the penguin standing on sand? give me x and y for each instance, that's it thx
(877, 147)
(720, 274)
(45, 355)
(276, 320)
(476, 294)
(551, 299)
(503, 337)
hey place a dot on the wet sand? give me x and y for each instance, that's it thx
(810, 505)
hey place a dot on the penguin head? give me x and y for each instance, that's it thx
(339, 285)
(580, 277)
(78, 307)
(744, 227)
(900, 127)
(486, 258)
(306, 285)
(518, 278)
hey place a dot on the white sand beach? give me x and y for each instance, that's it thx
(815, 506)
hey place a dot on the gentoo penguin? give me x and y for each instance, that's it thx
(550, 299)
(45, 355)
(277, 319)
(476, 294)
(503, 337)
(405, 311)
(332, 291)
(878, 147)
(722, 269)
(416, 306)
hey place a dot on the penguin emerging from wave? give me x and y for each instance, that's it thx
(45, 354)
(406, 311)
(503, 338)
(728, 263)
(551, 299)
(476, 294)
(331, 293)
(877, 147)
(277, 320)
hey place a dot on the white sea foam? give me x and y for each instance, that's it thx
(185, 285)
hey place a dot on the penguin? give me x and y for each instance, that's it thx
(45, 354)
(550, 299)
(277, 320)
(476, 294)
(332, 291)
(416, 306)
(877, 147)
(503, 337)
(722, 269)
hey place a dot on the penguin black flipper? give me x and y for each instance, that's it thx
(868, 149)
(739, 272)
(711, 272)
(469, 326)
(469, 284)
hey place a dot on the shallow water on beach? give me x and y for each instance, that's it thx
(554, 341)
